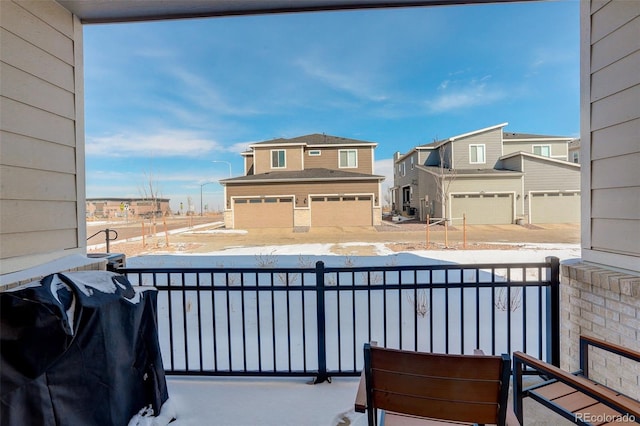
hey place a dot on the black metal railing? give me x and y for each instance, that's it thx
(314, 321)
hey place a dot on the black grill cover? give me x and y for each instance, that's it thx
(79, 348)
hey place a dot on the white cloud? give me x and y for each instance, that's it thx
(203, 93)
(456, 95)
(239, 147)
(167, 143)
(385, 168)
(354, 83)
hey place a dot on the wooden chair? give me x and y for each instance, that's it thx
(416, 388)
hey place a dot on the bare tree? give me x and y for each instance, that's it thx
(150, 192)
(447, 175)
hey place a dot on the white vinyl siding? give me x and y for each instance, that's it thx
(348, 158)
(278, 159)
(41, 126)
(477, 154)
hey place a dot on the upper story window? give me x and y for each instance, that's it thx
(575, 157)
(403, 169)
(412, 163)
(348, 158)
(477, 154)
(314, 152)
(544, 150)
(278, 159)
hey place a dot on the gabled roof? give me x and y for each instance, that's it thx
(539, 157)
(307, 175)
(462, 173)
(512, 136)
(439, 143)
(316, 140)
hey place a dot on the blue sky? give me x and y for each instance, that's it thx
(164, 100)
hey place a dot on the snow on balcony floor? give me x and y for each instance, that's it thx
(263, 401)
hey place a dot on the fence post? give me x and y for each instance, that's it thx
(106, 232)
(553, 311)
(320, 312)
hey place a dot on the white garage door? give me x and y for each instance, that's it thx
(274, 212)
(355, 210)
(482, 209)
(555, 207)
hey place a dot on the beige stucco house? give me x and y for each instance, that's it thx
(307, 181)
(489, 176)
(42, 195)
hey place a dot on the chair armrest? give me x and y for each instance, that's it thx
(361, 396)
(582, 384)
(610, 347)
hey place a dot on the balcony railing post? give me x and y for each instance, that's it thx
(553, 311)
(320, 312)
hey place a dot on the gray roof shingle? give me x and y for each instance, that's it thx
(316, 139)
(303, 175)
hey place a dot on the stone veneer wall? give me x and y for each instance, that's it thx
(605, 304)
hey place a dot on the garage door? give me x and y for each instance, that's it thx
(276, 212)
(482, 209)
(341, 211)
(555, 207)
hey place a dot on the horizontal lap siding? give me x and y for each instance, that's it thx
(38, 167)
(262, 159)
(328, 159)
(559, 149)
(615, 128)
(493, 149)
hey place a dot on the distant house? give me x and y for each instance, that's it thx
(108, 208)
(490, 177)
(574, 151)
(308, 181)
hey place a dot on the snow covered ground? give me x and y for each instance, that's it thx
(292, 401)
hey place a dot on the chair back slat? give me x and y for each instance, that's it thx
(436, 387)
(460, 411)
(465, 388)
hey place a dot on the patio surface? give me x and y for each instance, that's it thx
(286, 402)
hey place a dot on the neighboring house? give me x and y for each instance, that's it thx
(490, 177)
(307, 181)
(127, 207)
(574, 151)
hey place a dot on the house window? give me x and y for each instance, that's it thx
(575, 157)
(278, 159)
(544, 150)
(348, 158)
(314, 153)
(476, 154)
(412, 165)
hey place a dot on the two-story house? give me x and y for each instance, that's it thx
(490, 177)
(307, 181)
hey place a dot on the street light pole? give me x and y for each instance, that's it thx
(201, 186)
